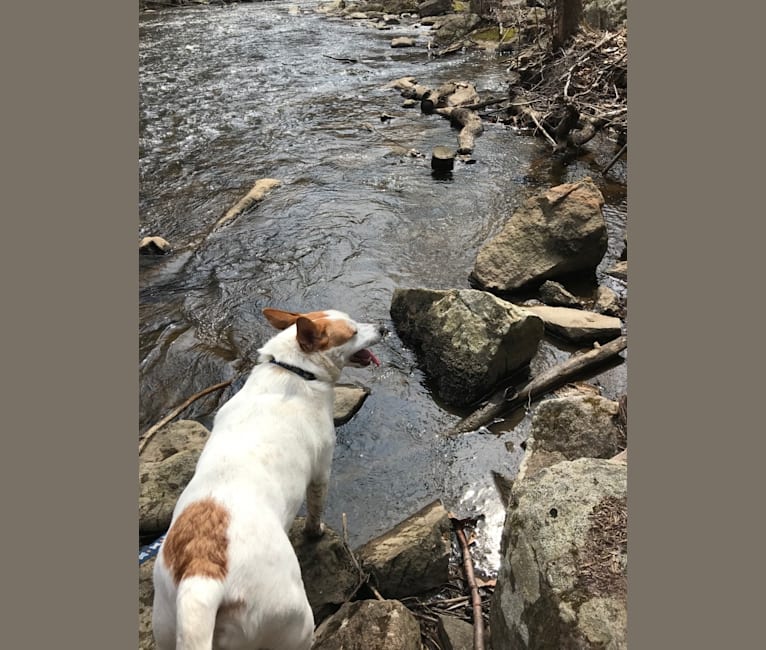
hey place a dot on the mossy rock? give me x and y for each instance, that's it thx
(493, 34)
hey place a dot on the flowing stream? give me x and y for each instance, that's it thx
(230, 94)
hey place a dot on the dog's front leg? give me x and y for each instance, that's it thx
(316, 493)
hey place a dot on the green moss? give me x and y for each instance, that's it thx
(493, 34)
(459, 7)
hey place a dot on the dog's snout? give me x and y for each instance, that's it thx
(382, 330)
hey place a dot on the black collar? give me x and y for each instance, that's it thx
(308, 376)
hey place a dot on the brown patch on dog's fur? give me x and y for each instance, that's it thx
(337, 332)
(197, 544)
(283, 319)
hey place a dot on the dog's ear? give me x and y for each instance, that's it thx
(311, 337)
(280, 319)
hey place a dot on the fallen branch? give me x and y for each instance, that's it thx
(257, 192)
(470, 123)
(149, 433)
(505, 401)
(341, 59)
(614, 160)
(478, 621)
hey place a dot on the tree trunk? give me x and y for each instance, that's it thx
(568, 14)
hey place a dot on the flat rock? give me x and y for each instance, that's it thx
(412, 557)
(577, 325)
(369, 625)
(348, 400)
(403, 41)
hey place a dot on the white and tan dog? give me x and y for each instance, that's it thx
(226, 576)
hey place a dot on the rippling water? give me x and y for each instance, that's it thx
(232, 94)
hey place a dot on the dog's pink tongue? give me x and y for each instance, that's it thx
(373, 358)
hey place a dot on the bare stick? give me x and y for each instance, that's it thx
(375, 591)
(532, 114)
(506, 400)
(149, 433)
(614, 160)
(257, 192)
(478, 621)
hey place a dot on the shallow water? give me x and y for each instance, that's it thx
(232, 94)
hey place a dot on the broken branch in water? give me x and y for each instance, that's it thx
(506, 400)
(341, 59)
(256, 193)
(149, 433)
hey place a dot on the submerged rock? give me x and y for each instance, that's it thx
(555, 233)
(467, 341)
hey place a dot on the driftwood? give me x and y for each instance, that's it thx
(470, 126)
(149, 433)
(258, 191)
(478, 621)
(506, 400)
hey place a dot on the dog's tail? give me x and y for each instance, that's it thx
(197, 602)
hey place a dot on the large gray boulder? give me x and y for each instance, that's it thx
(467, 341)
(554, 233)
(562, 581)
(369, 625)
(434, 7)
(412, 557)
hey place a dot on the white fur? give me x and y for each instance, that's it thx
(271, 444)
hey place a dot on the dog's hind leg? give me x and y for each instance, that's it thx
(316, 494)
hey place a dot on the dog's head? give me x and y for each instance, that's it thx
(322, 336)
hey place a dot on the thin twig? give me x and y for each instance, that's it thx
(478, 621)
(375, 591)
(615, 159)
(149, 433)
(531, 114)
